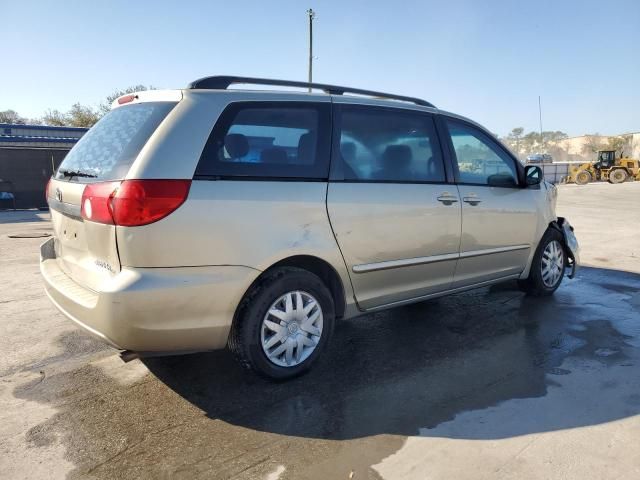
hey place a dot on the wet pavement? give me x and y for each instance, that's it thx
(484, 384)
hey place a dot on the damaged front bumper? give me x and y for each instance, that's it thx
(571, 246)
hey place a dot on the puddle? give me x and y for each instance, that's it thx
(386, 377)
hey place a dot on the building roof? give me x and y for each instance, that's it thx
(30, 136)
(41, 127)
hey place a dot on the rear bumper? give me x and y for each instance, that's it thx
(152, 309)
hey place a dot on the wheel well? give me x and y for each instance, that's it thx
(322, 269)
(557, 225)
(315, 265)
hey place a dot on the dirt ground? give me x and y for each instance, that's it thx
(484, 384)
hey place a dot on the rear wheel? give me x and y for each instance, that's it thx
(617, 176)
(547, 267)
(583, 177)
(283, 324)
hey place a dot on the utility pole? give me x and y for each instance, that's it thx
(312, 15)
(540, 115)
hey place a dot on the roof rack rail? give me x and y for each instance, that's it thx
(223, 82)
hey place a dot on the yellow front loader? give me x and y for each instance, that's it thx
(606, 168)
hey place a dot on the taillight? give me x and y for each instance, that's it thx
(126, 99)
(133, 202)
(46, 191)
(96, 202)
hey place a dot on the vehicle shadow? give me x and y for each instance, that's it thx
(410, 369)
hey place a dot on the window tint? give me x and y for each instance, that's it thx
(479, 160)
(388, 145)
(107, 151)
(268, 140)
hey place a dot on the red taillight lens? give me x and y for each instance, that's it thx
(133, 203)
(96, 202)
(126, 99)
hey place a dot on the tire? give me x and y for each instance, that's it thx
(617, 176)
(256, 330)
(544, 279)
(583, 177)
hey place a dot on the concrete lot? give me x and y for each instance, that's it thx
(485, 384)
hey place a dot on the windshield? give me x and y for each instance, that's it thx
(107, 151)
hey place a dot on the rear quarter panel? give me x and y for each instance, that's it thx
(248, 223)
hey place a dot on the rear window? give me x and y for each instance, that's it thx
(269, 140)
(107, 151)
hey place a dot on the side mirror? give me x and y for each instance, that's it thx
(533, 175)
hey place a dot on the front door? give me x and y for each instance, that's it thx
(395, 217)
(499, 218)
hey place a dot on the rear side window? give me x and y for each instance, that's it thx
(107, 151)
(269, 140)
(387, 145)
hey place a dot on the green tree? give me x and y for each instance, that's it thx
(78, 115)
(82, 116)
(55, 118)
(516, 132)
(513, 139)
(553, 137)
(531, 142)
(11, 116)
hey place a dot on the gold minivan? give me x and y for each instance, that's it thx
(189, 220)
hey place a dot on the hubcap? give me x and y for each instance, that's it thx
(552, 263)
(291, 329)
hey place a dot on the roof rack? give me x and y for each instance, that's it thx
(223, 82)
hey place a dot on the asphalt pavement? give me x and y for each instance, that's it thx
(484, 384)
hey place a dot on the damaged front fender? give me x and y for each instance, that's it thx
(570, 244)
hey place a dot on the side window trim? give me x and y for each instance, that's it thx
(224, 121)
(485, 137)
(446, 147)
(336, 173)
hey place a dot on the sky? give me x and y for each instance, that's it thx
(488, 60)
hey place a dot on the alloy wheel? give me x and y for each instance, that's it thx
(552, 264)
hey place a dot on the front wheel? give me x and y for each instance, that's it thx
(283, 324)
(547, 267)
(583, 177)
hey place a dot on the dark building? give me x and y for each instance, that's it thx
(28, 156)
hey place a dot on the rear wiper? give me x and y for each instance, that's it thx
(74, 173)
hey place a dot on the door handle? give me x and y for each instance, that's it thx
(472, 200)
(447, 199)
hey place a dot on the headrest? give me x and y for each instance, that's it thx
(236, 145)
(397, 156)
(306, 148)
(274, 155)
